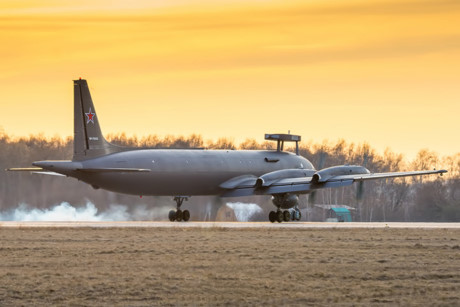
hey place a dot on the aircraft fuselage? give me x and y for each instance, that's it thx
(178, 172)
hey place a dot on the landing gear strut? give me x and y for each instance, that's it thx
(178, 214)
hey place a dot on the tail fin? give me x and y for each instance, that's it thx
(88, 141)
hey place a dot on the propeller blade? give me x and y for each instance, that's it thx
(312, 197)
(322, 159)
(360, 191)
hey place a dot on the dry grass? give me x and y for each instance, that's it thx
(140, 267)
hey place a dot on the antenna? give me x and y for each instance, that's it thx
(281, 138)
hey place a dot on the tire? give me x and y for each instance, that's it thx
(286, 216)
(279, 216)
(186, 215)
(272, 216)
(296, 216)
(172, 215)
(179, 215)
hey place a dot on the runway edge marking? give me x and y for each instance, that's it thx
(229, 225)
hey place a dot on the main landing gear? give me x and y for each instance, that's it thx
(178, 214)
(285, 201)
(286, 216)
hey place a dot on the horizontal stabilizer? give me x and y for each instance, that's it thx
(49, 173)
(33, 170)
(24, 169)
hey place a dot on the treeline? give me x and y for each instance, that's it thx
(431, 198)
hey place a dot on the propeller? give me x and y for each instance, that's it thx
(360, 188)
(360, 191)
(322, 160)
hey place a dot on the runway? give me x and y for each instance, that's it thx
(229, 225)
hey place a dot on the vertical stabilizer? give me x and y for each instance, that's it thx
(88, 139)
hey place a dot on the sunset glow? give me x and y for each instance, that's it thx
(384, 72)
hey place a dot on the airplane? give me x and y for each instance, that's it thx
(183, 173)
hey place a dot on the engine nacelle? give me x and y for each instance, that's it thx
(285, 201)
(327, 173)
(267, 179)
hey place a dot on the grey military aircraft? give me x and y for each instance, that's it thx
(187, 172)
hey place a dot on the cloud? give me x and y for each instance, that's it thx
(391, 7)
(246, 36)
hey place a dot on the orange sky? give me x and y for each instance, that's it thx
(385, 72)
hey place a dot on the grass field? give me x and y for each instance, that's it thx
(217, 266)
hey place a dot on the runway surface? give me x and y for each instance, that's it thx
(294, 225)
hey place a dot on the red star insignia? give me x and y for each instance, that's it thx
(90, 116)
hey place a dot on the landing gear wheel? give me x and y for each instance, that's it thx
(185, 215)
(297, 215)
(179, 215)
(286, 216)
(172, 215)
(272, 216)
(279, 216)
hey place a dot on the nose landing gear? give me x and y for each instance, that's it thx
(179, 215)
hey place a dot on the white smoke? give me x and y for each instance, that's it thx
(244, 211)
(66, 212)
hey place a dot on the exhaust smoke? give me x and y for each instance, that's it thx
(65, 212)
(244, 211)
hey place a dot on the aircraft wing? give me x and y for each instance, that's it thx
(372, 176)
(305, 185)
